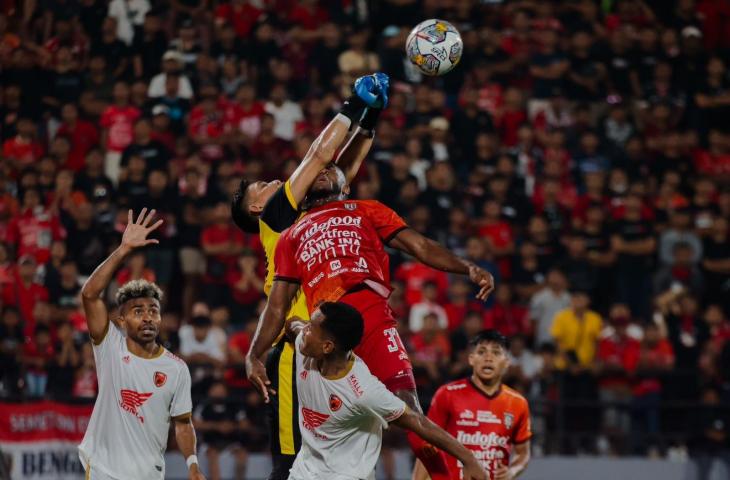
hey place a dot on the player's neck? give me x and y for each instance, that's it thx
(321, 201)
(335, 367)
(147, 350)
(490, 388)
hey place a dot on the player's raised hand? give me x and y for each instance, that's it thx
(373, 89)
(256, 373)
(483, 279)
(135, 235)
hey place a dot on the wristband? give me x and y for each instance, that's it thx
(352, 107)
(370, 118)
(192, 459)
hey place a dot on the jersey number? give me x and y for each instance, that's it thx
(394, 341)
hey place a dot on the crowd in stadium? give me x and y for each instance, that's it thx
(580, 152)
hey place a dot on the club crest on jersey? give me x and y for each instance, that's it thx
(160, 379)
(350, 206)
(303, 374)
(508, 419)
(131, 401)
(335, 402)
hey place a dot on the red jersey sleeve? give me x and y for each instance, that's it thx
(285, 265)
(439, 410)
(522, 431)
(386, 222)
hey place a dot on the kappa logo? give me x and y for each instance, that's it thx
(335, 402)
(131, 401)
(125, 359)
(508, 420)
(159, 379)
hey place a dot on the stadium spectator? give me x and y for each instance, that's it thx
(427, 306)
(545, 305)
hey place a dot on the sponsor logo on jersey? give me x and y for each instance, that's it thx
(350, 206)
(508, 420)
(312, 420)
(486, 416)
(125, 359)
(335, 265)
(458, 386)
(355, 386)
(131, 401)
(480, 439)
(466, 414)
(335, 402)
(467, 423)
(160, 379)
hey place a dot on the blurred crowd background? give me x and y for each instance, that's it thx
(580, 152)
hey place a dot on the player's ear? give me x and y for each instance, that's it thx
(470, 358)
(328, 346)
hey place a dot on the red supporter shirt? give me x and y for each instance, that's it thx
(659, 355)
(508, 320)
(24, 298)
(236, 376)
(220, 265)
(34, 233)
(617, 351)
(119, 122)
(242, 17)
(415, 274)
(83, 137)
(336, 247)
(456, 312)
(245, 120)
(24, 151)
(487, 425)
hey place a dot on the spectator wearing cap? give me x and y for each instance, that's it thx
(130, 15)
(172, 62)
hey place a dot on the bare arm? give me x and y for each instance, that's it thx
(270, 324)
(319, 155)
(423, 427)
(436, 256)
(135, 236)
(518, 461)
(185, 437)
(351, 157)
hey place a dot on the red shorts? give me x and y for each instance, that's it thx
(381, 347)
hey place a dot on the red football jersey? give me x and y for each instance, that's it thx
(488, 426)
(336, 247)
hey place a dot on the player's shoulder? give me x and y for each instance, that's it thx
(455, 386)
(168, 355)
(280, 211)
(513, 395)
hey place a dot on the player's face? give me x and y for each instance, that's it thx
(315, 341)
(330, 180)
(141, 319)
(259, 193)
(489, 361)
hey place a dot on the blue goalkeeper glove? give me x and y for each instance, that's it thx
(373, 89)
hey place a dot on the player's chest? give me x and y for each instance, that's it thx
(325, 409)
(143, 385)
(481, 415)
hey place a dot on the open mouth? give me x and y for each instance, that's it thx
(488, 369)
(149, 330)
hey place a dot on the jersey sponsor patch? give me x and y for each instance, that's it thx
(131, 401)
(458, 386)
(355, 385)
(335, 402)
(312, 420)
(486, 416)
(160, 378)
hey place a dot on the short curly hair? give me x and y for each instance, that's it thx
(137, 289)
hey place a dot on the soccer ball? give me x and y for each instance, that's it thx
(434, 46)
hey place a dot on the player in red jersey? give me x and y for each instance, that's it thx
(336, 252)
(486, 416)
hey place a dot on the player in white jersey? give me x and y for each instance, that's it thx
(142, 386)
(344, 408)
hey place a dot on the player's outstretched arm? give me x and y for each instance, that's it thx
(437, 256)
(423, 427)
(323, 149)
(135, 236)
(185, 437)
(269, 326)
(351, 157)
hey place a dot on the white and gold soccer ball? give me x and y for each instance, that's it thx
(434, 46)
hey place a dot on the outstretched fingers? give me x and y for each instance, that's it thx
(149, 217)
(141, 216)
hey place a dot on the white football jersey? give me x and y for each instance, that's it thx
(127, 433)
(341, 421)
